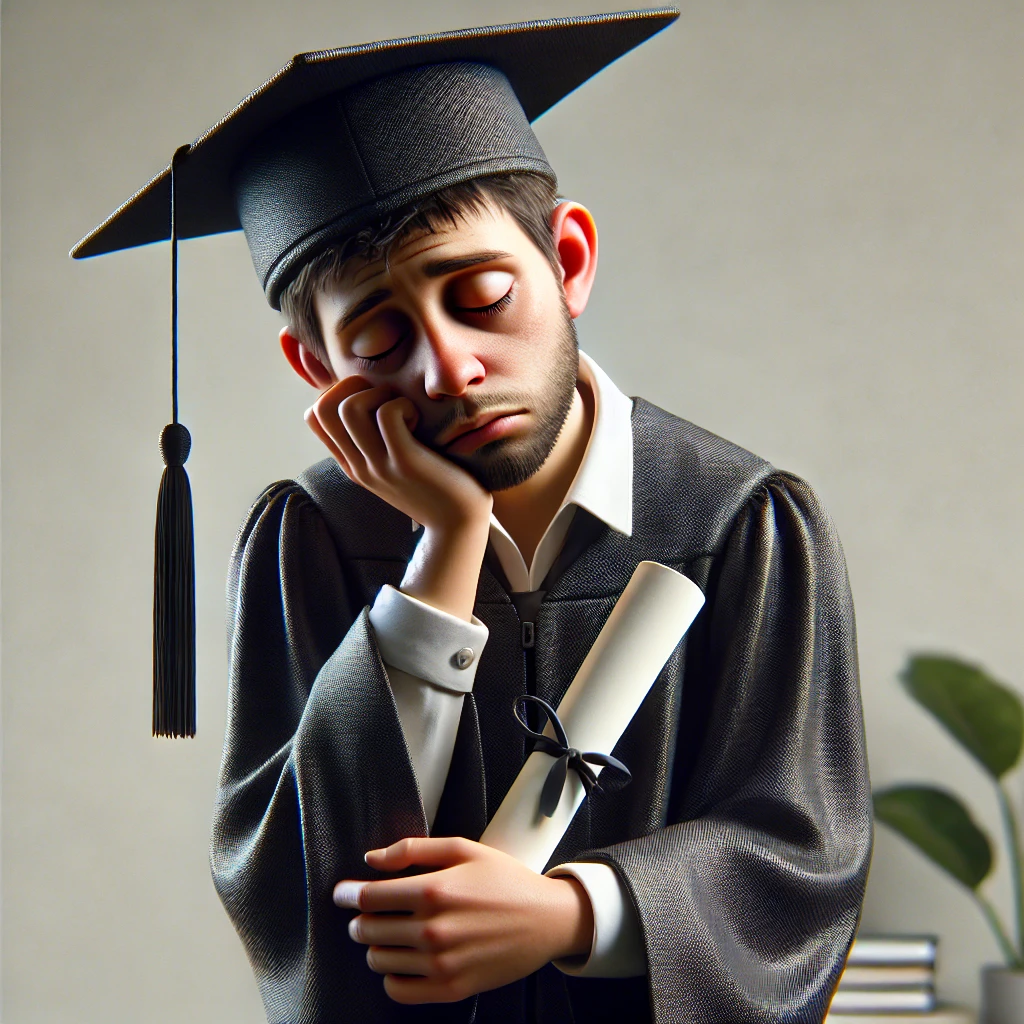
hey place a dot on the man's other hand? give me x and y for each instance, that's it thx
(479, 921)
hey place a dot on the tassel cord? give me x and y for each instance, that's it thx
(174, 693)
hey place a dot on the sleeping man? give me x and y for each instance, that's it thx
(486, 494)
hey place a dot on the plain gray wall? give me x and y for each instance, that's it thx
(810, 221)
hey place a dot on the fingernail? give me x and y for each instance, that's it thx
(346, 894)
(371, 853)
(353, 929)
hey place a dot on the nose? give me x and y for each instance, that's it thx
(451, 364)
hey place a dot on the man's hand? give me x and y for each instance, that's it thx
(480, 921)
(368, 430)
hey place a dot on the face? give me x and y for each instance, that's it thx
(470, 324)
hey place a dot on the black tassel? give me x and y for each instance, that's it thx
(174, 603)
(174, 578)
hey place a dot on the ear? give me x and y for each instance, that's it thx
(575, 235)
(303, 362)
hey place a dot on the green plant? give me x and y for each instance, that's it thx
(987, 719)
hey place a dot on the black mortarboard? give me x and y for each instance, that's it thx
(334, 140)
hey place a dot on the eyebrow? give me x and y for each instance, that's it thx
(438, 268)
(375, 298)
(433, 268)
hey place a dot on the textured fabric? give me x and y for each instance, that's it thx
(744, 838)
(322, 183)
(317, 175)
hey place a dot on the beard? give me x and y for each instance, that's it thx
(510, 461)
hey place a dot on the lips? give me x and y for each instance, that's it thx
(474, 424)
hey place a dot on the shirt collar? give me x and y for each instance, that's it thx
(603, 484)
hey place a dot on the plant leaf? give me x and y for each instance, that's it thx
(940, 827)
(984, 716)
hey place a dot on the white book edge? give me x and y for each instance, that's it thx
(883, 1001)
(869, 976)
(893, 950)
(943, 1015)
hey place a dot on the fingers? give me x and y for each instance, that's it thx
(392, 894)
(411, 895)
(407, 990)
(438, 853)
(314, 424)
(392, 960)
(390, 930)
(319, 415)
(347, 894)
(358, 416)
(396, 420)
(343, 417)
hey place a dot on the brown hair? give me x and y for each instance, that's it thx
(528, 198)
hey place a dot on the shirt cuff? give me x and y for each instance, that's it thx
(617, 950)
(427, 642)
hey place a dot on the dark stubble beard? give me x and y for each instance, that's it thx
(510, 461)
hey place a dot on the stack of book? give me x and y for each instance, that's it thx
(887, 974)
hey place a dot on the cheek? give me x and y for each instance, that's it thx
(544, 310)
(534, 338)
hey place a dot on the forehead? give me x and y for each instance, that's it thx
(489, 228)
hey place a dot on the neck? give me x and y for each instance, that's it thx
(525, 511)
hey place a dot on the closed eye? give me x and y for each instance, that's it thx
(489, 310)
(368, 362)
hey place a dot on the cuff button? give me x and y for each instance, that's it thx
(464, 658)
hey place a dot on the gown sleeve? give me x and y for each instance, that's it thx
(749, 900)
(310, 716)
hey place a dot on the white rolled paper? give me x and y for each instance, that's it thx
(647, 622)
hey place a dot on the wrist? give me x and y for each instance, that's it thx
(575, 930)
(445, 567)
(469, 514)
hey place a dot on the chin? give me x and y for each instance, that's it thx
(502, 465)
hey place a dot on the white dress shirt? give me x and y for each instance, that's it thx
(431, 659)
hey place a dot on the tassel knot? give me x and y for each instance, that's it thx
(175, 444)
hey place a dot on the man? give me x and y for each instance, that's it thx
(487, 495)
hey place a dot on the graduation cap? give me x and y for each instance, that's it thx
(332, 142)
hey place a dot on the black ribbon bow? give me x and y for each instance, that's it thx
(568, 757)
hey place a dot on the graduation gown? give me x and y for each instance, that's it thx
(744, 837)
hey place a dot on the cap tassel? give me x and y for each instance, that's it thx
(174, 597)
(174, 602)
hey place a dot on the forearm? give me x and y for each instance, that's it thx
(445, 567)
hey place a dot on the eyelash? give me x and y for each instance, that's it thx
(494, 307)
(369, 362)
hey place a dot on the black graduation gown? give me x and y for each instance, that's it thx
(744, 838)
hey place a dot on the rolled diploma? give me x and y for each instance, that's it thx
(647, 622)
